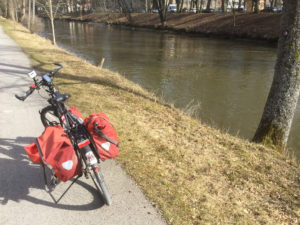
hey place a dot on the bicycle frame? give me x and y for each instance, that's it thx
(77, 133)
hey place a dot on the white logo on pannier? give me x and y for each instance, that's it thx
(67, 165)
(105, 146)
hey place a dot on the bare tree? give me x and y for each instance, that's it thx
(201, 5)
(162, 10)
(23, 10)
(233, 12)
(224, 5)
(33, 11)
(280, 107)
(29, 15)
(179, 4)
(52, 21)
(125, 6)
(51, 8)
(198, 7)
(255, 4)
(208, 4)
(10, 10)
(5, 9)
(240, 4)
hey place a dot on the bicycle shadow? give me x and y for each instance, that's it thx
(18, 176)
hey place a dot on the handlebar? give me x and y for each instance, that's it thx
(37, 85)
(23, 97)
(55, 70)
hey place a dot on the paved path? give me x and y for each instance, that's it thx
(23, 199)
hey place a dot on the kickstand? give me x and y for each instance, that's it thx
(53, 182)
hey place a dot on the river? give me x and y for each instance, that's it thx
(224, 83)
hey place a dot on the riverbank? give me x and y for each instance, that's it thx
(193, 173)
(261, 26)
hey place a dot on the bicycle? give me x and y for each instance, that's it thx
(57, 114)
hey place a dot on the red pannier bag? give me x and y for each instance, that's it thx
(54, 148)
(104, 135)
(75, 111)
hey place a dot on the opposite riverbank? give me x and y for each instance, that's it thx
(193, 173)
(261, 26)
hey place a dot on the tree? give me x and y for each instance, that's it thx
(51, 7)
(52, 21)
(224, 5)
(208, 4)
(23, 10)
(233, 12)
(33, 11)
(162, 6)
(240, 4)
(280, 107)
(179, 4)
(29, 15)
(255, 4)
(10, 9)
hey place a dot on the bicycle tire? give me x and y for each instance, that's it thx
(52, 111)
(98, 179)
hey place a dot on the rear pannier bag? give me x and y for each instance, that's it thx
(104, 135)
(54, 149)
(76, 112)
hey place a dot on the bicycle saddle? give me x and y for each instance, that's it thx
(61, 97)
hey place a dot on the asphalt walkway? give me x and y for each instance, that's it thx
(23, 198)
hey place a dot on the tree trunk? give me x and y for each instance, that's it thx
(33, 11)
(6, 9)
(23, 10)
(13, 12)
(275, 124)
(162, 10)
(240, 4)
(10, 10)
(52, 22)
(197, 6)
(208, 5)
(179, 4)
(233, 11)
(201, 5)
(16, 10)
(224, 6)
(29, 15)
(256, 6)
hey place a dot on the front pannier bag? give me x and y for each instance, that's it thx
(104, 135)
(54, 149)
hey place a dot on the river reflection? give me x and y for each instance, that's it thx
(229, 79)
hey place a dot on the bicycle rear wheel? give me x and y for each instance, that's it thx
(98, 179)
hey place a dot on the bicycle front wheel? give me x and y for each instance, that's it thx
(49, 116)
(98, 179)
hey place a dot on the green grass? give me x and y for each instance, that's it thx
(193, 173)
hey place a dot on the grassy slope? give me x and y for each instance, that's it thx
(193, 173)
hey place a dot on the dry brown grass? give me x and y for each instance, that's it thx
(193, 173)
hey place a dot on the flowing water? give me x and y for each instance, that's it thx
(225, 82)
